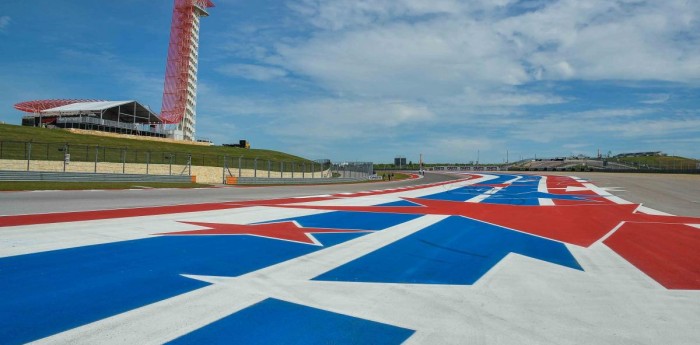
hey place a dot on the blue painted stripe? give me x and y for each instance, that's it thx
(278, 322)
(353, 220)
(46, 293)
(521, 192)
(467, 192)
(456, 250)
(50, 292)
(399, 203)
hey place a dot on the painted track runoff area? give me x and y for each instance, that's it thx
(485, 259)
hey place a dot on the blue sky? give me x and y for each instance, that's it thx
(367, 80)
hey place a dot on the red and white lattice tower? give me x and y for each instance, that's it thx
(180, 91)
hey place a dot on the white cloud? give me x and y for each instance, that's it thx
(438, 57)
(343, 14)
(608, 114)
(654, 128)
(564, 70)
(464, 145)
(657, 98)
(254, 72)
(340, 119)
(601, 39)
(348, 14)
(212, 101)
(413, 48)
(602, 124)
(479, 66)
(465, 62)
(4, 22)
(316, 118)
(502, 98)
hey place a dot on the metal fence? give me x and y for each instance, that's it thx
(265, 168)
(352, 169)
(95, 156)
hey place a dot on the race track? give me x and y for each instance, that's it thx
(484, 259)
(13, 203)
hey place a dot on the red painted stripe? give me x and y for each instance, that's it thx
(31, 219)
(590, 200)
(582, 224)
(668, 253)
(273, 202)
(558, 184)
(47, 218)
(555, 181)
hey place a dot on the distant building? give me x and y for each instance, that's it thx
(400, 161)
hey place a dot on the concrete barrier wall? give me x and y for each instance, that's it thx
(6, 175)
(204, 174)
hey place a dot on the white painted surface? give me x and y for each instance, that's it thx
(520, 301)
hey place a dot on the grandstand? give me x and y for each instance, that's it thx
(557, 164)
(124, 117)
(545, 165)
(640, 154)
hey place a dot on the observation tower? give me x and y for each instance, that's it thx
(180, 90)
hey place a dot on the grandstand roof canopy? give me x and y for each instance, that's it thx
(129, 109)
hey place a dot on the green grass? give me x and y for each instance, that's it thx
(46, 185)
(49, 144)
(397, 175)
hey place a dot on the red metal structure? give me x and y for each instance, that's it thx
(179, 50)
(43, 104)
(177, 71)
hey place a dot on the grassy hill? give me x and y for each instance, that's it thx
(659, 162)
(49, 144)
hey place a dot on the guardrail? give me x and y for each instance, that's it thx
(89, 177)
(273, 181)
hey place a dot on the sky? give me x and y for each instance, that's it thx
(370, 80)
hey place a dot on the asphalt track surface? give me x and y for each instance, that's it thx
(485, 259)
(38, 202)
(672, 193)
